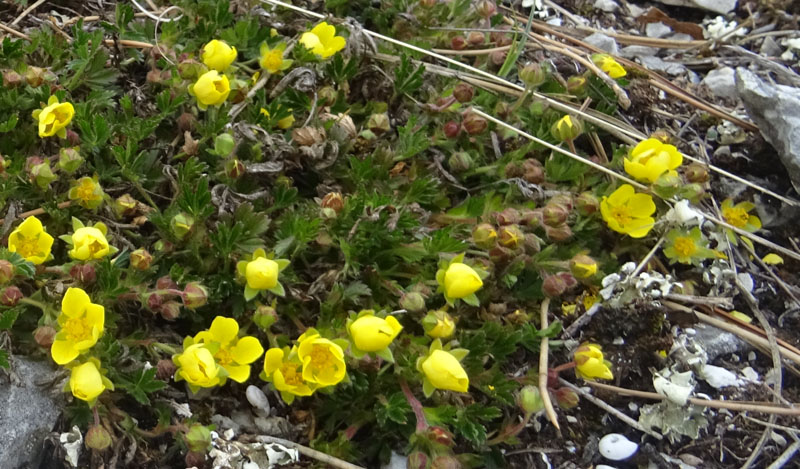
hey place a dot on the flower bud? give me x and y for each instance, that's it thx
(428, 3)
(307, 136)
(11, 296)
(333, 201)
(692, 192)
(44, 336)
(576, 85)
(446, 462)
(508, 216)
(476, 38)
(438, 324)
(328, 94)
(412, 301)
(529, 399)
(587, 203)
(532, 218)
(11, 79)
(98, 438)
(667, 185)
(513, 170)
(83, 274)
(417, 460)
(484, 236)
(564, 200)
(533, 171)
(141, 259)
(69, 160)
(533, 244)
(451, 129)
(486, 8)
(170, 310)
(498, 58)
(500, 39)
(474, 124)
(194, 295)
(582, 266)
(125, 205)
(198, 438)
(379, 123)
(510, 236)
(181, 224)
(234, 168)
(500, 254)
(459, 162)
(440, 435)
(165, 369)
(534, 74)
(166, 283)
(189, 69)
(464, 92)
(554, 214)
(34, 76)
(153, 301)
(458, 43)
(553, 286)
(566, 129)
(566, 398)
(7, 271)
(224, 144)
(186, 122)
(558, 233)
(42, 175)
(73, 138)
(697, 173)
(265, 316)
(154, 77)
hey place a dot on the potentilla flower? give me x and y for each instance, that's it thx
(609, 65)
(86, 381)
(652, 158)
(233, 353)
(54, 118)
(438, 324)
(442, 369)
(628, 212)
(272, 59)
(87, 192)
(88, 242)
(590, 364)
(218, 55)
(31, 241)
(81, 324)
(459, 281)
(322, 40)
(371, 333)
(283, 368)
(211, 89)
(261, 273)
(322, 359)
(567, 128)
(197, 366)
(687, 247)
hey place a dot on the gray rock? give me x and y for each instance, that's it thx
(722, 82)
(770, 48)
(717, 6)
(631, 52)
(27, 415)
(604, 42)
(657, 30)
(609, 6)
(776, 111)
(657, 65)
(717, 342)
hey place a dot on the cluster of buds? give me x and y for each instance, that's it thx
(555, 215)
(332, 204)
(164, 299)
(510, 235)
(531, 170)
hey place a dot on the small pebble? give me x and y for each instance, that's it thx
(617, 447)
(257, 398)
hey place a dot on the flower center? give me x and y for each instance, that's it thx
(621, 214)
(321, 357)
(685, 246)
(290, 374)
(223, 357)
(77, 329)
(737, 217)
(219, 86)
(61, 116)
(273, 60)
(86, 191)
(95, 246)
(27, 247)
(201, 367)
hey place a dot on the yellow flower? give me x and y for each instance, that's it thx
(650, 159)
(322, 359)
(566, 129)
(461, 280)
(89, 242)
(438, 324)
(609, 65)
(582, 266)
(261, 273)
(589, 363)
(284, 370)
(687, 247)
(739, 215)
(284, 123)
(272, 59)
(234, 354)
(442, 369)
(772, 259)
(81, 323)
(211, 89)
(197, 366)
(322, 40)
(31, 241)
(628, 212)
(87, 192)
(86, 382)
(54, 118)
(218, 55)
(371, 333)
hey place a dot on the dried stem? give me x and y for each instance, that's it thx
(543, 366)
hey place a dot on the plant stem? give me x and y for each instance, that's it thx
(543, 351)
(35, 303)
(416, 406)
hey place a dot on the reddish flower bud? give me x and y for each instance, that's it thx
(476, 38)
(569, 279)
(265, 316)
(513, 170)
(11, 79)
(166, 283)
(11, 296)
(500, 254)
(498, 57)
(452, 129)
(7, 270)
(141, 259)
(446, 462)
(83, 274)
(458, 43)
(508, 216)
(154, 77)
(186, 122)
(44, 336)
(587, 203)
(194, 295)
(486, 8)
(532, 243)
(170, 310)
(463, 92)
(98, 438)
(533, 171)
(484, 236)
(234, 168)
(553, 286)
(153, 301)
(554, 214)
(532, 218)
(73, 138)
(417, 460)
(441, 436)
(165, 369)
(566, 398)
(501, 39)
(333, 201)
(558, 233)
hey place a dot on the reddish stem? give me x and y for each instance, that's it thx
(416, 406)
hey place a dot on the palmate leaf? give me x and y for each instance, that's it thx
(407, 79)
(22, 267)
(140, 383)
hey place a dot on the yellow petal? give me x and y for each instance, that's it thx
(75, 302)
(247, 350)
(641, 205)
(461, 280)
(772, 259)
(223, 330)
(238, 373)
(273, 360)
(63, 352)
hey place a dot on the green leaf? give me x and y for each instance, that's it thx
(8, 318)
(10, 124)
(22, 267)
(407, 79)
(140, 383)
(4, 356)
(412, 139)
(395, 409)
(561, 168)
(356, 289)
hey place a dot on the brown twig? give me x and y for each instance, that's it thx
(543, 356)
(39, 211)
(26, 12)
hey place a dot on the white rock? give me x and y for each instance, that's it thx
(721, 82)
(617, 447)
(718, 377)
(257, 398)
(657, 29)
(631, 52)
(609, 6)
(601, 41)
(717, 6)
